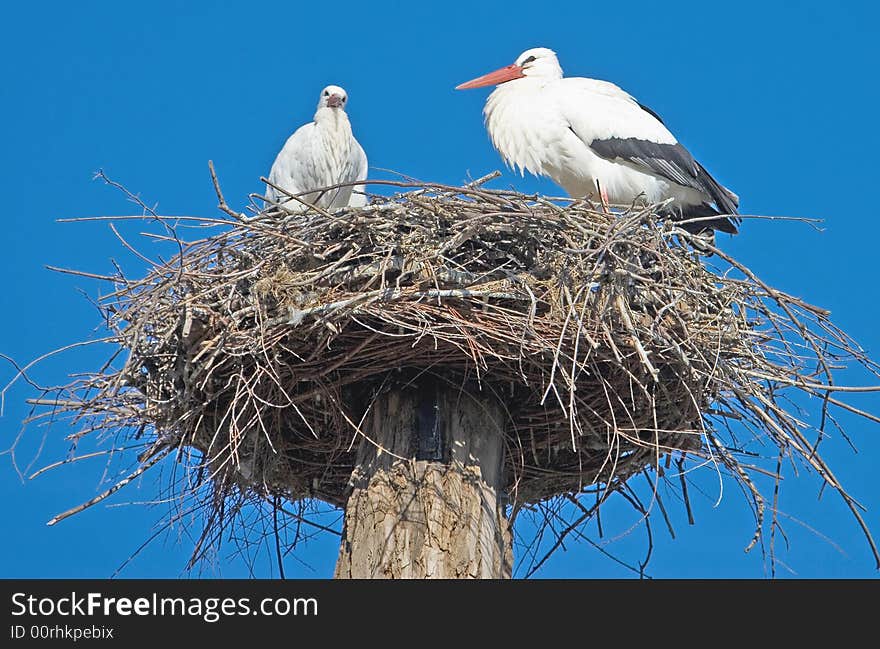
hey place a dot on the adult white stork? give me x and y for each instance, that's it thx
(594, 139)
(319, 154)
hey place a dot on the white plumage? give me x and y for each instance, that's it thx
(595, 140)
(319, 154)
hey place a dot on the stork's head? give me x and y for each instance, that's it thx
(536, 63)
(333, 97)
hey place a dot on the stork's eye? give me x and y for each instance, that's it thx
(529, 60)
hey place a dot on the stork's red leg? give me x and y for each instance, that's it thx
(603, 198)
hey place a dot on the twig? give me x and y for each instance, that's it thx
(222, 201)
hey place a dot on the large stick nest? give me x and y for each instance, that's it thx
(609, 339)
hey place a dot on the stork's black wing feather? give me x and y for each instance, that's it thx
(652, 113)
(670, 161)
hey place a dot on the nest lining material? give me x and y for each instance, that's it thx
(609, 340)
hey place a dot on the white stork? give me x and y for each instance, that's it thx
(319, 154)
(594, 139)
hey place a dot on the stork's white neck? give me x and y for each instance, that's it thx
(517, 120)
(332, 118)
(333, 130)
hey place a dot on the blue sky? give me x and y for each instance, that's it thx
(777, 99)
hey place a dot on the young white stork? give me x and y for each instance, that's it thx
(319, 154)
(594, 139)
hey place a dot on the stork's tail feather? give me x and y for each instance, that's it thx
(733, 197)
(699, 219)
(726, 202)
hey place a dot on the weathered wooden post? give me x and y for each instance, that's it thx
(426, 498)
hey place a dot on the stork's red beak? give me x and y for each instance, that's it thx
(334, 101)
(507, 73)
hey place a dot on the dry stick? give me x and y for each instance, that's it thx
(560, 538)
(109, 492)
(774, 523)
(80, 273)
(780, 297)
(684, 489)
(149, 210)
(806, 385)
(483, 179)
(133, 197)
(22, 371)
(222, 204)
(656, 495)
(151, 538)
(296, 197)
(131, 248)
(634, 337)
(278, 555)
(56, 403)
(70, 460)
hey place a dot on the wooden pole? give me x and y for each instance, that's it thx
(426, 496)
